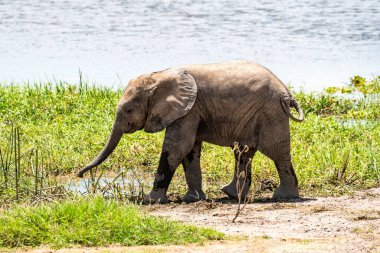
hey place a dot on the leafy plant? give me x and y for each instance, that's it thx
(358, 84)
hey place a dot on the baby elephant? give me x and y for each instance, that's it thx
(226, 103)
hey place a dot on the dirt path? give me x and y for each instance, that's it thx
(332, 224)
(336, 224)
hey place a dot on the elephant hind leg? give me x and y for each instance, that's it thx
(280, 154)
(288, 182)
(240, 183)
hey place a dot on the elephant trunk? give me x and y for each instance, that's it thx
(112, 142)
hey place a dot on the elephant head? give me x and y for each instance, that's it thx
(150, 102)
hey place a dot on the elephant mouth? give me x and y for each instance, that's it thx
(132, 128)
(129, 130)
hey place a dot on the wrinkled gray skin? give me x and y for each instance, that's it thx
(222, 104)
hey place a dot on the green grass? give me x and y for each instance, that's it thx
(93, 222)
(69, 124)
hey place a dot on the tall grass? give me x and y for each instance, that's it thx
(31, 180)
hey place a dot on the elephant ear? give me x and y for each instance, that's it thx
(172, 96)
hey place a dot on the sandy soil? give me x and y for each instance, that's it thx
(333, 224)
(336, 224)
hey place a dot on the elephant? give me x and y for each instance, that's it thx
(222, 103)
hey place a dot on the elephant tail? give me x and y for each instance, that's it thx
(289, 101)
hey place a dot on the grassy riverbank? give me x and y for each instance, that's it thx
(62, 127)
(93, 222)
(48, 132)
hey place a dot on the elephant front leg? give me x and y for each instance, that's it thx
(193, 174)
(162, 180)
(241, 181)
(179, 140)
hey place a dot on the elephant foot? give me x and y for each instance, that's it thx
(156, 197)
(232, 192)
(193, 196)
(284, 192)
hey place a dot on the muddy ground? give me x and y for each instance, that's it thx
(323, 224)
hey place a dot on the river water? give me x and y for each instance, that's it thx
(310, 43)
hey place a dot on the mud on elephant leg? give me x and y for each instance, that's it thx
(162, 180)
(191, 165)
(242, 164)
